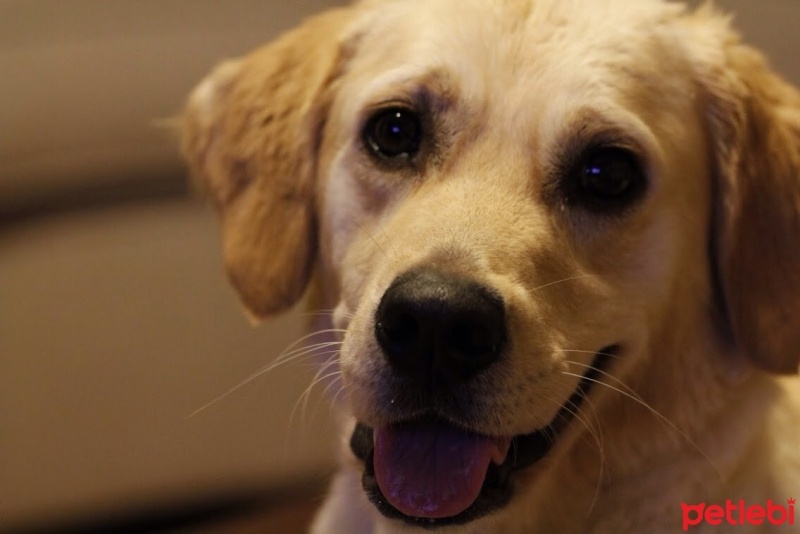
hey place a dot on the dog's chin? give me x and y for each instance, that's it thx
(429, 473)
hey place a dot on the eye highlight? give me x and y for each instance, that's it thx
(606, 179)
(393, 133)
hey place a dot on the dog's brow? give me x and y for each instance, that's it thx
(433, 90)
(587, 126)
(440, 89)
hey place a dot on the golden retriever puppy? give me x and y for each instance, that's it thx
(562, 242)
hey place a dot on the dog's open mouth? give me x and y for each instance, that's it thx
(430, 473)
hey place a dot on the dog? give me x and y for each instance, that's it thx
(561, 243)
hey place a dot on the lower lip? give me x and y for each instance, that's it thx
(528, 450)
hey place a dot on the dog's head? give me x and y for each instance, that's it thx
(506, 203)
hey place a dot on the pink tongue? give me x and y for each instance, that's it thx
(432, 471)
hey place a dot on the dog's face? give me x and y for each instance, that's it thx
(580, 206)
(501, 226)
(506, 203)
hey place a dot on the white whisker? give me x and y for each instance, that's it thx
(343, 389)
(373, 239)
(563, 280)
(331, 361)
(386, 235)
(331, 385)
(300, 353)
(609, 375)
(596, 433)
(609, 354)
(306, 395)
(655, 412)
(285, 357)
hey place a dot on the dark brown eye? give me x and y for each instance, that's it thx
(608, 178)
(393, 133)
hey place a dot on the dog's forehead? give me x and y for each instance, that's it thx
(515, 48)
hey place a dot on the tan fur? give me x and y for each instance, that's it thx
(699, 282)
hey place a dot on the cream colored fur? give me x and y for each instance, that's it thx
(699, 283)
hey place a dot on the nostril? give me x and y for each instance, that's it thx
(470, 339)
(400, 332)
(402, 336)
(474, 338)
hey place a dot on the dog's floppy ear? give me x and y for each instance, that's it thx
(754, 123)
(250, 135)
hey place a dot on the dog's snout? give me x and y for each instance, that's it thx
(433, 326)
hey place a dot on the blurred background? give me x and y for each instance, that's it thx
(116, 321)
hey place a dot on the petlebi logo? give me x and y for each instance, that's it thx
(738, 513)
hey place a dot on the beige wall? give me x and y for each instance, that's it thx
(118, 324)
(115, 324)
(84, 82)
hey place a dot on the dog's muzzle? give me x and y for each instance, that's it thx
(438, 331)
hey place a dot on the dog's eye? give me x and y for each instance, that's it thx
(393, 133)
(608, 178)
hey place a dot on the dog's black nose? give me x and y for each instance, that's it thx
(433, 326)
